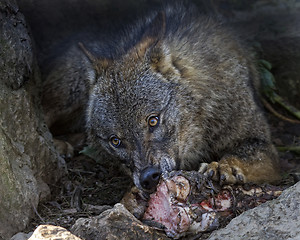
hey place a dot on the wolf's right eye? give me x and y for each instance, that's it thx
(115, 141)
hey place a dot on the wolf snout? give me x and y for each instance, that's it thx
(149, 178)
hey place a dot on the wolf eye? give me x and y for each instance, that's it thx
(115, 141)
(153, 121)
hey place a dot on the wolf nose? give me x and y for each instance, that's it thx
(149, 177)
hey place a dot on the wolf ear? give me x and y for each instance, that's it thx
(151, 37)
(97, 63)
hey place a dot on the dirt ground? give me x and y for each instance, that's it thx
(91, 187)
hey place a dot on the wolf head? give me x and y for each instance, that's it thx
(135, 112)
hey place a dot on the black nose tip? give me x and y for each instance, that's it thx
(149, 177)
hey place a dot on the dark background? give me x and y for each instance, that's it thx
(270, 25)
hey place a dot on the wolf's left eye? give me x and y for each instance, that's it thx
(153, 121)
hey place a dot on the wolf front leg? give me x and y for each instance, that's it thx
(247, 164)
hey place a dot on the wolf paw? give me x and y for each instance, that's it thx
(135, 202)
(223, 172)
(64, 148)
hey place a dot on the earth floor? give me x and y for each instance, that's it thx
(92, 186)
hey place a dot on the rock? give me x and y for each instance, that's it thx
(22, 236)
(276, 219)
(28, 160)
(115, 223)
(44, 232)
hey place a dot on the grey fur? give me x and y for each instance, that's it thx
(185, 68)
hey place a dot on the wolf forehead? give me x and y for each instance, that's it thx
(119, 97)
